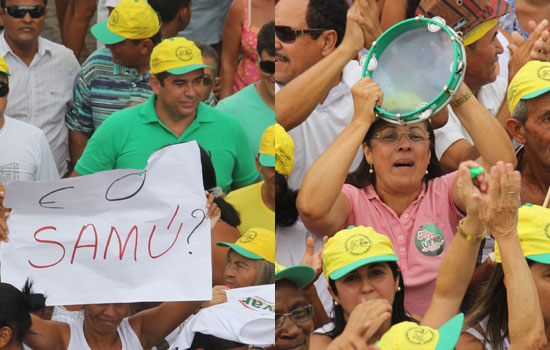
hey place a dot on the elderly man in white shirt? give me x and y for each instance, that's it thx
(43, 74)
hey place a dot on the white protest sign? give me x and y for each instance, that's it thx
(117, 236)
(247, 317)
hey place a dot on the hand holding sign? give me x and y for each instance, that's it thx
(141, 235)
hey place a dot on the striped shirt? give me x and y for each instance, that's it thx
(104, 87)
(41, 92)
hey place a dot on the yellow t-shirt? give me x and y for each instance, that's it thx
(251, 208)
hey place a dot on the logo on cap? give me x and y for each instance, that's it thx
(358, 244)
(184, 53)
(419, 335)
(544, 73)
(113, 18)
(155, 62)
(248, 237)
(547, 230)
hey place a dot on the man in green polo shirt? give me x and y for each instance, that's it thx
(173, 114)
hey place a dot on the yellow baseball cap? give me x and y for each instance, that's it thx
(532, 80)
(131, 19)
(479, 31)
(300, 275)
(534, 233)
(410, 336)
(256, 243)
(176, 56)
(284, 151)
(4, 66)
(267, 146)
(354, 247)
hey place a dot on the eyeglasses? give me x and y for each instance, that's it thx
(288, 34)
(299, 315)
(17, 11)
(268, 67)
(389, 135)
(4, 89)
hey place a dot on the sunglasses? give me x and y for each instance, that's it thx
(4, 89)
(268, 67)
(17, 11)
(288, 34)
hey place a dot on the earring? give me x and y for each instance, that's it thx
(399, 288)
(335, 303)
(371, 169)
(426, 171)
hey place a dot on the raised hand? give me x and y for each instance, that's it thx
(366, 94)
(536, 47)
(312, 259)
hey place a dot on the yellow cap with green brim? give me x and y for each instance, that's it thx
(354, 247)
(533, 233)
(410, 336)
(4, 66)
(532, 80)
(176, 56)
(256, 243)
(300, 275)
(131, 19)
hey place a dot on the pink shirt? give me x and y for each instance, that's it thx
(420, 236)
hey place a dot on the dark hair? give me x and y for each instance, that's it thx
(167, 9)
(163, 75)
(286, 212)
(3, 3)
(492, 302)
(266, 39)
(398, 307)
(229, 214)
(156, 39)
(210, 342)
(327, 14)
(208, 51)
(16, 306)
(361, 177)
(411, 8)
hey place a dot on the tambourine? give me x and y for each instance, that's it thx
(419, 64)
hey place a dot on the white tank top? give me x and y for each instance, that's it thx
(128, 337)
(481, 337)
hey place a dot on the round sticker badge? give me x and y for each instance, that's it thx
(248, 237)
(429, 240)
(358, 244)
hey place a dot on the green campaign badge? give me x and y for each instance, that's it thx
(429, 240)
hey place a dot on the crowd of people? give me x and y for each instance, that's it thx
(333, 226)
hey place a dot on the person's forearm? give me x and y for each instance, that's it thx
(525, 322)
(77, 143)
(320, 316)
(490, 138)
(324, 180)
(297, 99)
(454, 275)
(227, 76)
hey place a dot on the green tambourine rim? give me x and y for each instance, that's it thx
(455, 79)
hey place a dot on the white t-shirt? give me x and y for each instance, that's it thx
(324, 124)
(490, 96)
(128, 337)
(290, 249)
(247, 317)
(25, 155)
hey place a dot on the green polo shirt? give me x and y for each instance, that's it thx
(128, 137)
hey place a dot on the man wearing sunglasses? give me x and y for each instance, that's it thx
(25, 155)
(254, 106)
(315, 67)
(43, 73)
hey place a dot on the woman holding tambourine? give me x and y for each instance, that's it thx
(399, 188)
